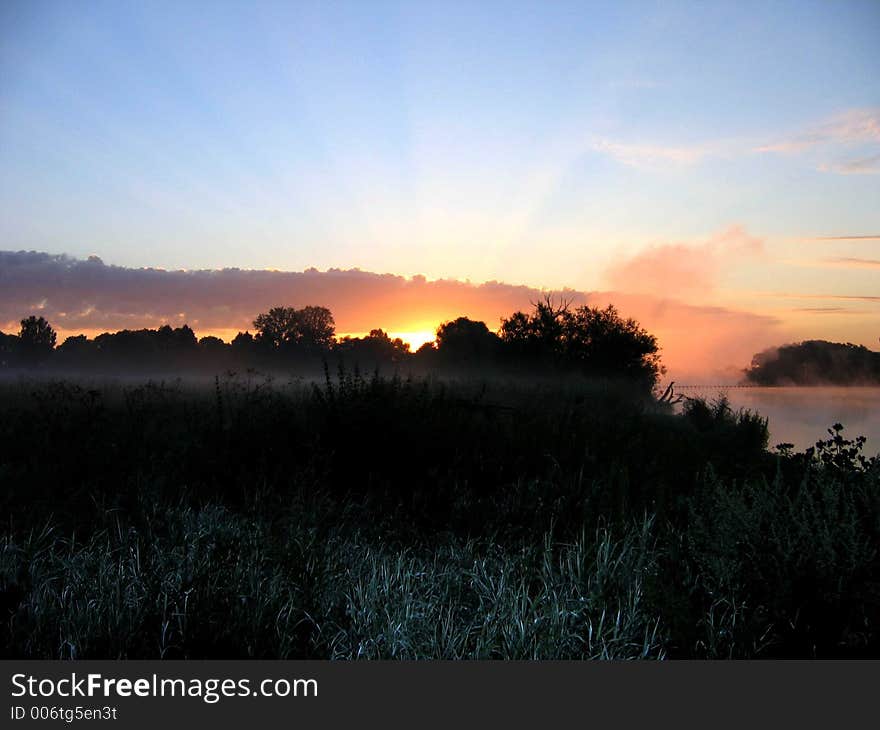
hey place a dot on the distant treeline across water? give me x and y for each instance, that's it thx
(816, 362)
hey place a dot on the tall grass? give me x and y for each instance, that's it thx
(374, 517)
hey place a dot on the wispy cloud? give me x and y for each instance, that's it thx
(837, 137)
(854, 125)
(824, 297)
(846, 144)
(867, 237)
(830, 310)
(862, 166)
(651, 155)
(853, 263)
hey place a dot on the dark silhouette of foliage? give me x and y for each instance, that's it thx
(9, 350)
(309, 329)
(376, 348)
(597, 342)
(36, 339)
(466, 341)
(212, 345)
(76, 351)
(243, 343)
(594, 342)
(141, 350)
(815, 362)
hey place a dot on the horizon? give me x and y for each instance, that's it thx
(74, 295)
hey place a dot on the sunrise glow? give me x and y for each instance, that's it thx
(442, 147)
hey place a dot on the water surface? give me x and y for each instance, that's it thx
(801, 416)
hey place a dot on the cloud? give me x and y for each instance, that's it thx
(830, 310)
(833, 142)
(836, 137)
(90, 296)
(854, 125)
(698, 341)
(684, 269)
(853, 263)
(642, 155)
(870, 237)
(829, 297)
(862, 166)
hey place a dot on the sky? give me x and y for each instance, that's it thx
(716, 157)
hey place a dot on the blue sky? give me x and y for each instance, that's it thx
(538, 143)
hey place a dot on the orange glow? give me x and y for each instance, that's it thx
(699, 338)
(415, 339)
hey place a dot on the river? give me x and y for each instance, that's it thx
(801, 416)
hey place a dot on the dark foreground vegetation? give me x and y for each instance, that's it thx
(382, 517)
(816, 362)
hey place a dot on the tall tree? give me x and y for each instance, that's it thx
(465, 339)
(310, 328)
(36, 339)
(594, 340)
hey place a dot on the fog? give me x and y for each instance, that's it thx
(801, 416)
(797, 415)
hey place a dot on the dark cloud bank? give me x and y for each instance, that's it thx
(89, 296)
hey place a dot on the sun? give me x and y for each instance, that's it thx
(415, 338)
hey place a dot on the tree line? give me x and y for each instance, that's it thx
(552, 336)
(815, 362)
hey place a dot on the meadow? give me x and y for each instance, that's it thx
(385, 516)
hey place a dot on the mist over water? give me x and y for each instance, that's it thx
(802, 415)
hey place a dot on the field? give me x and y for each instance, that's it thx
(393, 517)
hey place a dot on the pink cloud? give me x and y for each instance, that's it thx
(683, 269)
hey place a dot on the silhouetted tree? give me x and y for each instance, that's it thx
(162, 348)
(593, 340)
(377, 347)
(813, 362)
(243, 341)
(466, 340)
(211, 344)
(76, 351)
(540, 335)
(310, 328)
(426, 355)
(177, 339)
(74, 343)
(36, 339)
(9, 350)
(603, 342)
